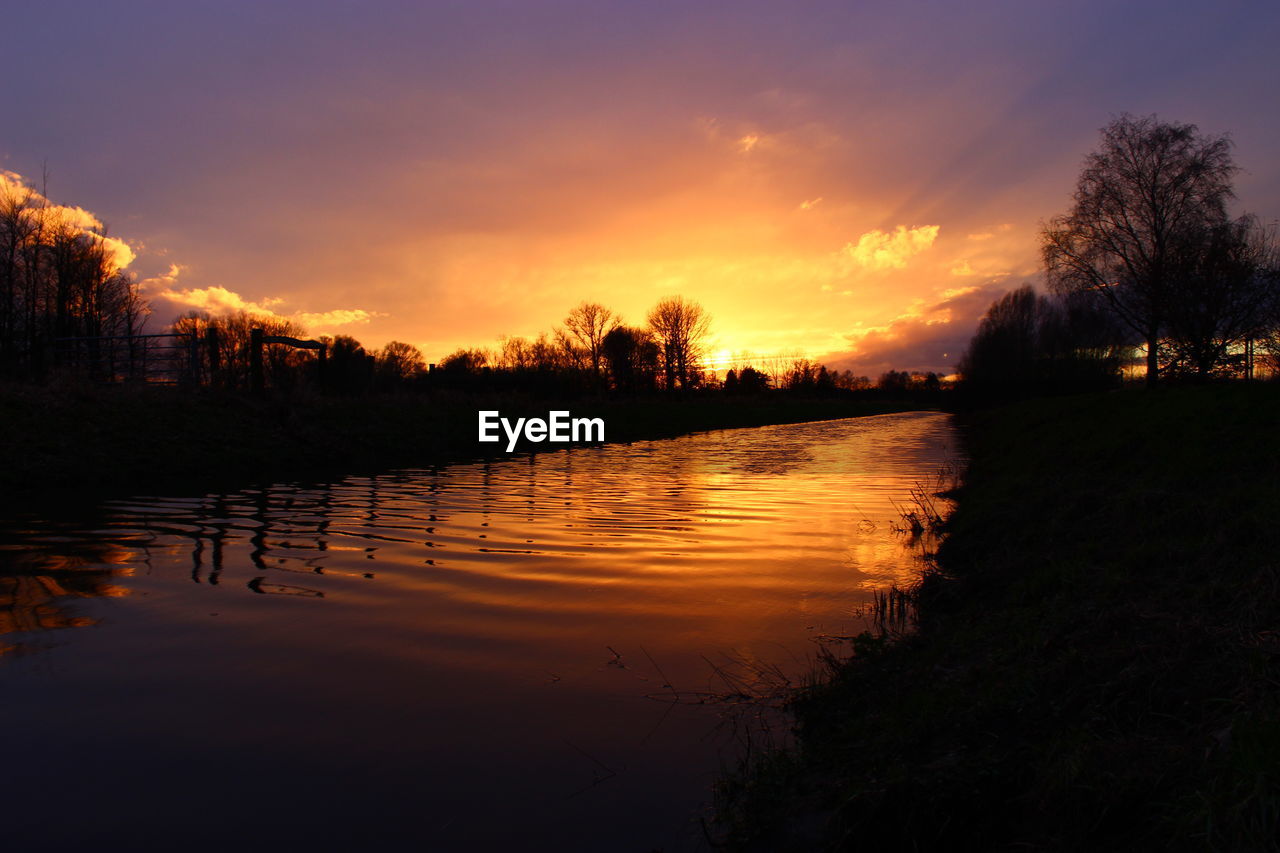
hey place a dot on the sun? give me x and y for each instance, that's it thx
(720, 358)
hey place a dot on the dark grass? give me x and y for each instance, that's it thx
(78, 444)
(1097, 664)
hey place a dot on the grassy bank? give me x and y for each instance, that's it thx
(1097, 665)
(85, 443)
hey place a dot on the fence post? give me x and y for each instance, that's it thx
(215, 358)
(191, 374)
(256, 383)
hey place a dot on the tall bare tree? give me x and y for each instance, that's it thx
(1150, 191)
(681, 326)
(589, 323)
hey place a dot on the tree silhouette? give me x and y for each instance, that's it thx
(589, 323)
(1144, 202)
(350, 368)
(1003, 351)
(1224, 296)
(1028, 342)
(282, 365)
(59, 279)
(632, 357)
(463, 361)
(398, 362)
(681, 326)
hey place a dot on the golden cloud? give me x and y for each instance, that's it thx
(336, 317)
(122, 253)
(215, 299)
(220, 300)
(68, 216)
(879, 250)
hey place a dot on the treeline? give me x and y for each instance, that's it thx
(59, 281)
(1147, 260)
(1031, 343)
(594, 351)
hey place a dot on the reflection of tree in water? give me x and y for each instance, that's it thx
(46, 566)
(273, 529)
(37, 590)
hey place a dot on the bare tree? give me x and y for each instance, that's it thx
(568, 355)
(681, 326)
(514, 353)
(282, 364)
(1151, 190)
(398, 362)
(589, 323)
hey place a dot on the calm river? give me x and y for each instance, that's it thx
(519, 654)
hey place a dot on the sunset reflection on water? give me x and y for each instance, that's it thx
(478, 655)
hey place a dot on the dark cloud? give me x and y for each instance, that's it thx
(929, 339)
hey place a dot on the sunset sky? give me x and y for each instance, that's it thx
(851, 181)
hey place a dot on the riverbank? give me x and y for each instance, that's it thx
(1097, 662)
(84, 443)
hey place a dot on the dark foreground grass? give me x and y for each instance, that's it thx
(82, 443)
(1097, 665)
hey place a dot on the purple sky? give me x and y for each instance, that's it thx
(849, 181)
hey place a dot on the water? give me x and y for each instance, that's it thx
(522, 654)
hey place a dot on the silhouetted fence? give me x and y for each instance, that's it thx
(186, 358)
(161, 358)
